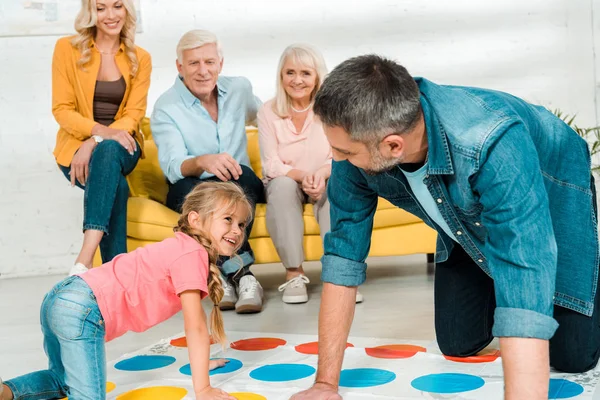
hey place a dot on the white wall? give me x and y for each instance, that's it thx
(541, 50)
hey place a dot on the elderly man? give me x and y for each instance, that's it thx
(508, 188)
(199, 128)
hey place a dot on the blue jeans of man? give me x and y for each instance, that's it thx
(106, 194)
(73, 330)
(254, 190)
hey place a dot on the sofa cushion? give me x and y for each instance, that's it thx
(149, 220)
(152, 221)
(254, 150)
(387, 215)
(147, 179)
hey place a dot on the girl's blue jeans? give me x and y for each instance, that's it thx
(73, 330)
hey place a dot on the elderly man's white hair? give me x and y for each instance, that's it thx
(196, 38)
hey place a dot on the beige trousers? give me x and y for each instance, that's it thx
(285, 200)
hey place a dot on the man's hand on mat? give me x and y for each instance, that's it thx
(319, 391)
(218, 363)
(211, 393)
(80, 164)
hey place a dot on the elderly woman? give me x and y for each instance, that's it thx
(296, 159)
(100, 82)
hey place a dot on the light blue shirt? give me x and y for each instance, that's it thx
(425, 199)
(183, 129)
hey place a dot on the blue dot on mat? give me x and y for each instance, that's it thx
(144, 363)
(231, 366)
(563, 389)
(365, 377)
(282, 372)
(447, 383)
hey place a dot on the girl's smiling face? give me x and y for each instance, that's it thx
(226, 230)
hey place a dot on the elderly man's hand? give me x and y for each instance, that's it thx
(223, 166)
(319, 391)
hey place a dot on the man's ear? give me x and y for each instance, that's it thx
(221, 64)
(392, 146)
(179, 66)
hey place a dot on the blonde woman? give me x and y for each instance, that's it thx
(100, 82)
(296, 159)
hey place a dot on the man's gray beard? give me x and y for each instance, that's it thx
(380, 164)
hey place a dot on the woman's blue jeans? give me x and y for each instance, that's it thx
(106, 194)
(73, 330)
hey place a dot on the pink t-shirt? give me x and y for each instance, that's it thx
(138, 290)
(283, 148)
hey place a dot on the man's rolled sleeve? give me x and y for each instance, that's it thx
(508, 322)
(174, 168)
(343, 272)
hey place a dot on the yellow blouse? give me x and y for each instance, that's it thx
(73, 96)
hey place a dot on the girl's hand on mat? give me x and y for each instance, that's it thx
(211, 393)
(218, 363)
(319, 391)
(80, 164)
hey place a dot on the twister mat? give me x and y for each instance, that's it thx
(275, 366)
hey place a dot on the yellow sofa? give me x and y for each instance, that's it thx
(395, 231)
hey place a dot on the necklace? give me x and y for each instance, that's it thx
(301, 111)
(106, 52)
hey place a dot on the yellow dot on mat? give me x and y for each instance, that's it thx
(155, 393)
(248, 396)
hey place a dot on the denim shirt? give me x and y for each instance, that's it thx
(182, 128)
(513, 183)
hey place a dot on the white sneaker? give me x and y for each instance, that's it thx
(359, 297)
(230, 297)
(294, 290)
(251, 296)
(78, 269)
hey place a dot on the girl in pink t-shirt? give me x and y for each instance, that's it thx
(136, 291)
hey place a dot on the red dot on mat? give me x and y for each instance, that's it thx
(313, 347)
(482, 357)
(394, 351)
(256, 344)
(182, 342)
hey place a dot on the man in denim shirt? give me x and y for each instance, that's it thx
(199, 128)
(508, 188)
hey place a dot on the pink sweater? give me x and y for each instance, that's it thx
(282, 148)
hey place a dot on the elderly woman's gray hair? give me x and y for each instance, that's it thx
(306, 56)
(197, 38)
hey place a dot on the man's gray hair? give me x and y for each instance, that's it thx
(370, 97)
(197, 38)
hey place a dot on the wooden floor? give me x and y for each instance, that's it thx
(398, 304)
